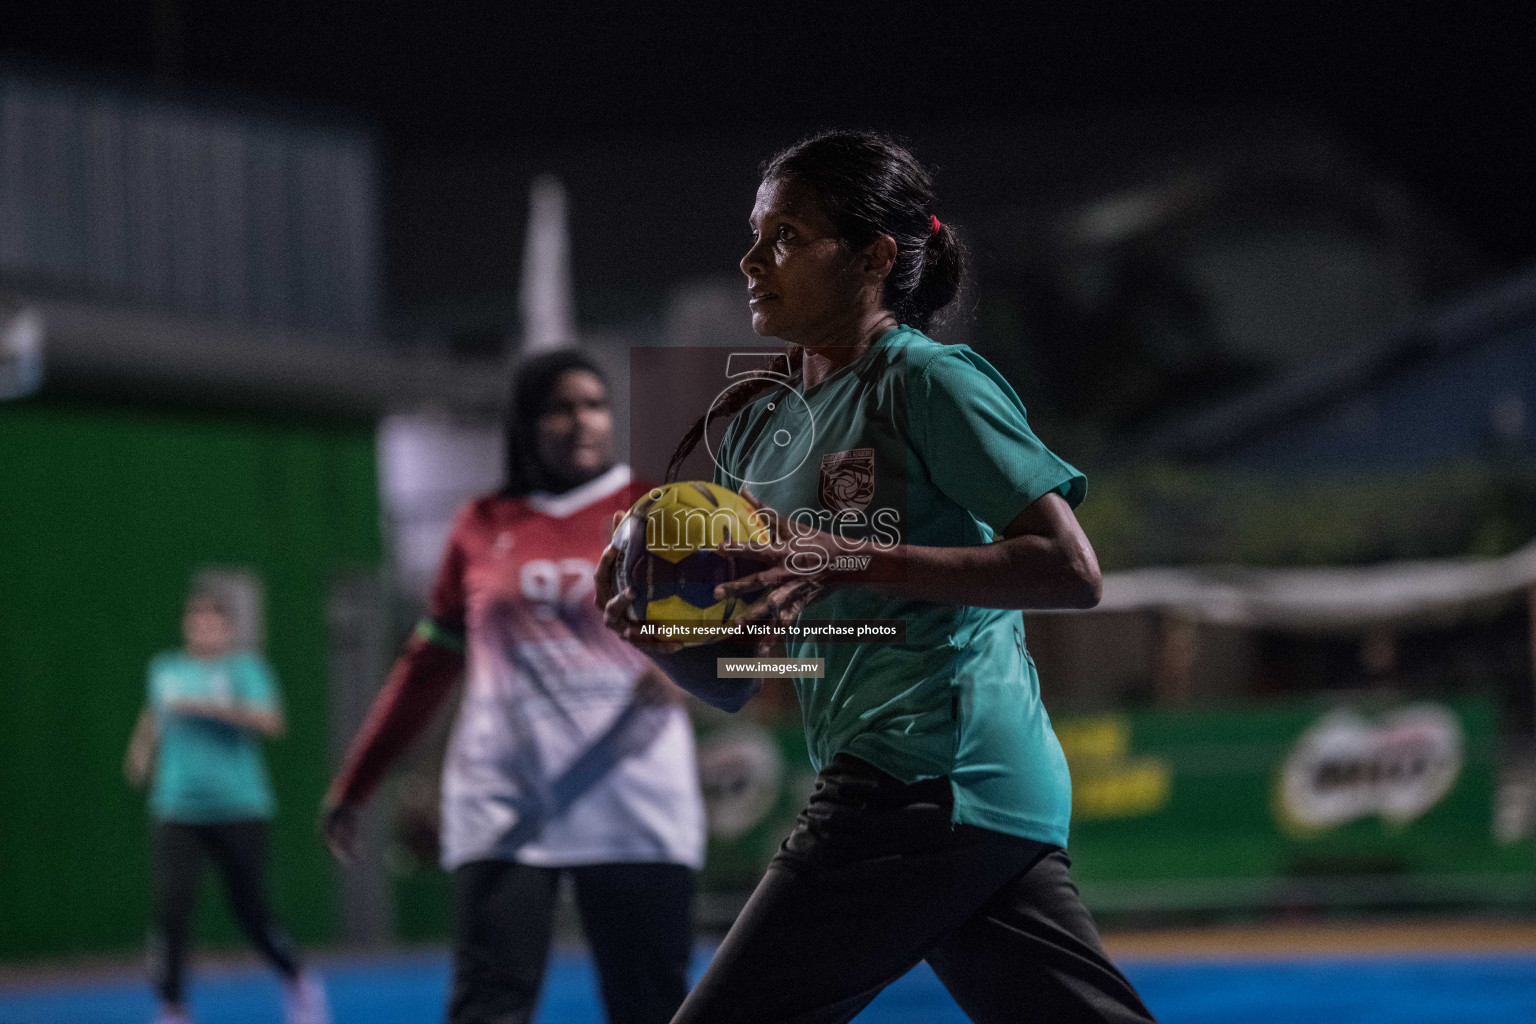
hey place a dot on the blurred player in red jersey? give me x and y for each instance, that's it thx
(570, 753)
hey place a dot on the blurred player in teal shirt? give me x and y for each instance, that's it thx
(198, 745)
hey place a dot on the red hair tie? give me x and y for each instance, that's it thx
(934, 224)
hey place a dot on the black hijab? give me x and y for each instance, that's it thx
(532, 382)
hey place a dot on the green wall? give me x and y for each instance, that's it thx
(105, 513)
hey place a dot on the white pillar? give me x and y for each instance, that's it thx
(546, 299)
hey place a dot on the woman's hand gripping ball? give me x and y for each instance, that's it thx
(803, 566)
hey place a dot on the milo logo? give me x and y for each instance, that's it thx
(1345, 768)
(741, 772)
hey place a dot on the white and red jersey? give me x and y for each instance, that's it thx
(553, 761)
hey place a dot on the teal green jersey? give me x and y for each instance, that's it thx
(207, 771)
(924, 444)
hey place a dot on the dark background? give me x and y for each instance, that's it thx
(1434, 94)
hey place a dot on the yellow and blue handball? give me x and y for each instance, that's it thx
(666, 552)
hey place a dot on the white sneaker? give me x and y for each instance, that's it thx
(304, 1000)
(170, 1016)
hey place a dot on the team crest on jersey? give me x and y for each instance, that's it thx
(847, 480)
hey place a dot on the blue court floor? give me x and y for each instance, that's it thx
(1418, 989)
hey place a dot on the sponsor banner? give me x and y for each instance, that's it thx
(1295, 804)
(1288, 805)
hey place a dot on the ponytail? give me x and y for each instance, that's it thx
(943, 271)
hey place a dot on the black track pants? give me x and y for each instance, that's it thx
(638, 919)
(875, 878)
(239, 848)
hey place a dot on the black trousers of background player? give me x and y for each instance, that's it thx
(239, 849)
(638, 919)
(875, 878)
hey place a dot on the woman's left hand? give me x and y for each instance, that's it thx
(782, 590)
(802, 567)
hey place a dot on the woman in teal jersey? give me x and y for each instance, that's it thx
(906, 485)
(198, 746)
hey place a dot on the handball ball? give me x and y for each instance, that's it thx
(666, 552)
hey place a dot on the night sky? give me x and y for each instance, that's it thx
(1437, 100)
